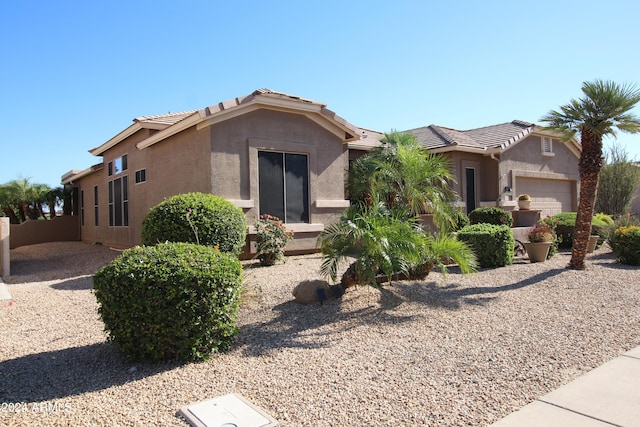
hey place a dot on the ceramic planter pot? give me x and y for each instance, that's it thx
(524, 205)
(537, 251)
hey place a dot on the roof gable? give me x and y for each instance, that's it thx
(490, 138)
(172, 123)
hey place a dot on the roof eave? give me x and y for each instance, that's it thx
(74, 175)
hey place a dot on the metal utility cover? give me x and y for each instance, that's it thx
(230, 410)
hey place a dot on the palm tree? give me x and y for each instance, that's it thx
(604, 108)
(380, 240)
(20, 199)
(403, 175)
(383, 243)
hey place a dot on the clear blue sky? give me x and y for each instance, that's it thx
(75, 73)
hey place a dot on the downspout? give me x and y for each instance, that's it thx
(492, 155)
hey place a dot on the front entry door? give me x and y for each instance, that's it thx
(470, 187)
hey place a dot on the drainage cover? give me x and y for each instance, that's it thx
(230, 410)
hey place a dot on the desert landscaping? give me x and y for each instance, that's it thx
(454, 351)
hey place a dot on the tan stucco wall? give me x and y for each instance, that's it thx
(220, 159)
(235, 144)
(525, 159)
(58, 229)
(486, 174)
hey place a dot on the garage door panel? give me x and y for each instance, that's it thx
(552, 196)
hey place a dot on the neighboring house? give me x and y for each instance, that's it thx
(267, 152)
(494, 164)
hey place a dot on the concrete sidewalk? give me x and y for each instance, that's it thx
(606, 396)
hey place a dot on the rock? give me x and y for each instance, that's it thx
(307, 292)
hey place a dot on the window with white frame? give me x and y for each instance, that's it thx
(547, 146)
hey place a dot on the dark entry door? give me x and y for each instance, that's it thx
(470, 178)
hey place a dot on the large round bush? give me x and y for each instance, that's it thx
(196, 218)
(170, 301)
(625, 243)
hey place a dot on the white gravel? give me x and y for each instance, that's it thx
(461, 352)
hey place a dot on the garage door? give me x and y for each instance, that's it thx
(552, 196)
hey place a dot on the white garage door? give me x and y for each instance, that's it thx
(552, 196)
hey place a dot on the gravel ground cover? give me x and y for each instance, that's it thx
(460, 351)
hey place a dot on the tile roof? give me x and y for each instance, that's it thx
(164, 119)
(498, 136)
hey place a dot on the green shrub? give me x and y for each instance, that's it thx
(625, 243)
(492, 244)
(460, 220)
(567, 222)
(604, 218)
(490, 215)
(196, 218)
(170, 301)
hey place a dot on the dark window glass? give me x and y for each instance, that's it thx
(95, 205)
(81, 207)
(271, 184)
(297, 195)
(111, 203)
(117, 202)
(141, 176)
(284, 186)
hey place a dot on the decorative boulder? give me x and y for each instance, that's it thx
(311, 291)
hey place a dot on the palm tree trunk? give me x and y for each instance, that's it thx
(589, 167)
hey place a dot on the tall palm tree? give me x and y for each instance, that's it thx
(604, 108)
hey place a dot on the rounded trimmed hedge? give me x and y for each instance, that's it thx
(170, 301)
(490, 215)
(196, 218)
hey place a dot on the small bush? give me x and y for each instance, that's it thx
(567, 222)
(492, 244)
(199, 218)
(625, 243)
(460, 220)
(604, 218)
(272, 237)
(490, 215)
(170, 301)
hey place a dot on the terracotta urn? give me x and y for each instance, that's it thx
(524, 205)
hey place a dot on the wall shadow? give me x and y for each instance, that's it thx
(452, 296)
(71, 371)
(76, 284)
(57, 261)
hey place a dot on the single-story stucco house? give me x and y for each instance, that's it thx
(268, 152)
(494, 164)
(275, 153)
